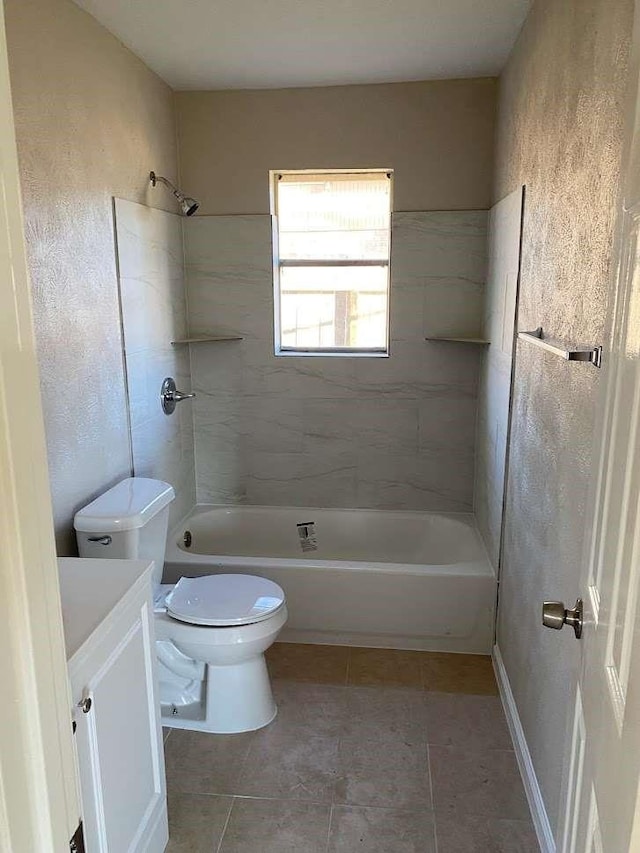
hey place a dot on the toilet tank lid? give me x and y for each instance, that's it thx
(127, 506)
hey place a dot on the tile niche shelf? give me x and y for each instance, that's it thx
(458, 340)
(206, 339)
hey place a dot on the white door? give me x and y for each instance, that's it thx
(39, 808)
(601, 808)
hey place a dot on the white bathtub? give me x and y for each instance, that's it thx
(407, 580)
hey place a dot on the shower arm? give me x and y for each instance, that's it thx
(189, 205)
(159, 178)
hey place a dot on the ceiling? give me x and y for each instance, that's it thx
(249, 44)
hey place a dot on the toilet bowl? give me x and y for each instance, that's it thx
(213, 620)
(211, 632)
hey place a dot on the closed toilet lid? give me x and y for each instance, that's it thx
(224, 600)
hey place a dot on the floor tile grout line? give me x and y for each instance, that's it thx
(433, 805)
(406, 810)
(471, 750)
(226, 824)
(326, 847)
(324, 804)
(414, 810)
(279, 799)
(338, 768)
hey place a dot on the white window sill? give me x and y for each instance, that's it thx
(345, 353)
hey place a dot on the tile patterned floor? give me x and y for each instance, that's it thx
(374, 751)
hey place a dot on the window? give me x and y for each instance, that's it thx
(332, 245)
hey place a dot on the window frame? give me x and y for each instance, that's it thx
(278, 264)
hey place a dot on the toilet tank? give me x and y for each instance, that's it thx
(127, 522)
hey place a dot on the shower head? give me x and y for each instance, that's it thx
(188, 205)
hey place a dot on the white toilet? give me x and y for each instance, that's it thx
(211, 631)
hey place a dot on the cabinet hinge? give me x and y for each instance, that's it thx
(76, 845)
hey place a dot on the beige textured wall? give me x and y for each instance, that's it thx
(437, 135)
(559, 132)
(91, 122)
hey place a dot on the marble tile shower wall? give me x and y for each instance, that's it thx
(370, 432)
(152, 293)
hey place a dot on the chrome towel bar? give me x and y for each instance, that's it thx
(586, 353)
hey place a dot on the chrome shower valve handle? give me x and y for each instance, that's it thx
(170, 396)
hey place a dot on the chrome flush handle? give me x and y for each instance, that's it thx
(100, 540)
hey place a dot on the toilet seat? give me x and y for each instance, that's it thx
(224, 600)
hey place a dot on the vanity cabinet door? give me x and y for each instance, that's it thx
(119, 739)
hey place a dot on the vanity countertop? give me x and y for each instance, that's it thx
(90, 589)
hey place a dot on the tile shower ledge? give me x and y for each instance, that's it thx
(206, 339)
(460, 340)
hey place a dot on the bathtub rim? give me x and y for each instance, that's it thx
(177, 556)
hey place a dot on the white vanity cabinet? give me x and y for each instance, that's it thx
(108, 620)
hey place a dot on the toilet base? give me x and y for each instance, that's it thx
(237, 698)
